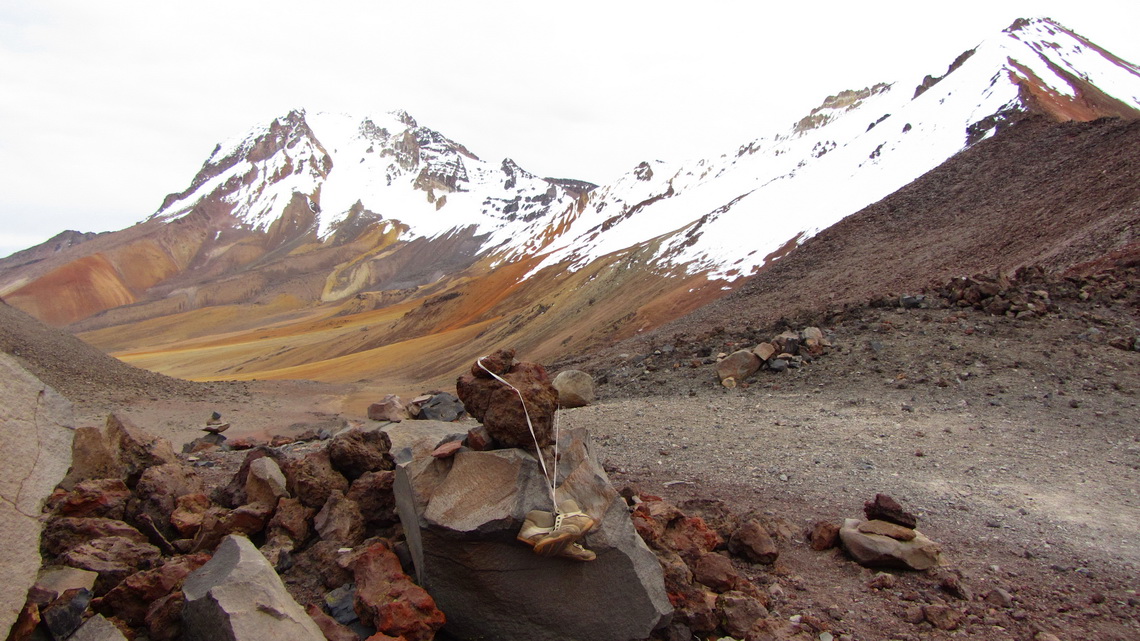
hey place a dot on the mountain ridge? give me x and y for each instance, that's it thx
(322, 216)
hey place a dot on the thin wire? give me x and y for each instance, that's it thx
(537, 447)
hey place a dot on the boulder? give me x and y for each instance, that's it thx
(876, 550)
(387, 599)
(266, 482)
(753, 542)
(738, 365)
(63, 533)
(91, 458)
(157, 493)
(461, 516)
(38, 425)
(354, 452)
(575, 388)
(390, 409)
(739, 612)
(441, 407)
(96, 498)
(885, 508)
(131, 599)
(164, 617)
(237, 595)
(413, 439)
(340, 520)
(373, 493)
(113, 557)
(312, 478)
(500, 408)
(219, 522)
(136, 448)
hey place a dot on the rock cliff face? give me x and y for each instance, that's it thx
(38, 426)
(380, 232)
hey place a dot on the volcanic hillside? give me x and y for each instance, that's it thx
(1064, 198)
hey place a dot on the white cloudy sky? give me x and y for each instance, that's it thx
(105, 107)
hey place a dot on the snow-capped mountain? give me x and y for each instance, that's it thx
(316, 218)
(730, 215)
(326, 166)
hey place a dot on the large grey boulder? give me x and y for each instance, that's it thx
(412, 439)
(461, 516)
(238, 596)
(38, 425)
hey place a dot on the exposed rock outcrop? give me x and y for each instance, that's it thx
(461, 516)
(38, 426)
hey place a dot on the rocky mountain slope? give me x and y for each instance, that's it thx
(337, 248)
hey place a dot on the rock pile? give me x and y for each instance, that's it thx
(461, 515)
(139, 543)
(517, 413)
(433, 406)
(706, 560)
(886, 539)
(789, 349)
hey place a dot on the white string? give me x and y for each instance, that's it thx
(537, 447)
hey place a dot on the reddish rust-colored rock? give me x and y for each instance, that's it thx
(187, 516)
(447, 450)
(373, 493)
(312, 478)
(164, 617)
(132, 598)
(753, 542)
(717, 572)
(388, 600)
(824, 535)
(219, 522)
(98, 497)
(499, 408)
(113, 557)
(498, 363)
(943, 617)
(738, 612)
(885, 508)
(25, 624)
(355, 452)
(62, 534)
(690, 536)
(479, 439)
(158, 491)
(292, 519)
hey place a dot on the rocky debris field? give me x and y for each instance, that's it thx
(1015, 438)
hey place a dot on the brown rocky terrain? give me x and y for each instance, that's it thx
(1012, 436)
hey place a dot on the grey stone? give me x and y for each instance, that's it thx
(237, 595)
(38, 426)
(442, 407)
(461, 516)
(412, 439)
(266, 482)
(97, 628)
(575, 388)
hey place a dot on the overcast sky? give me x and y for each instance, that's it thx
(106, 107)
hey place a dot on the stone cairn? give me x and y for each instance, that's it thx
(788, 350)
(140, 542)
